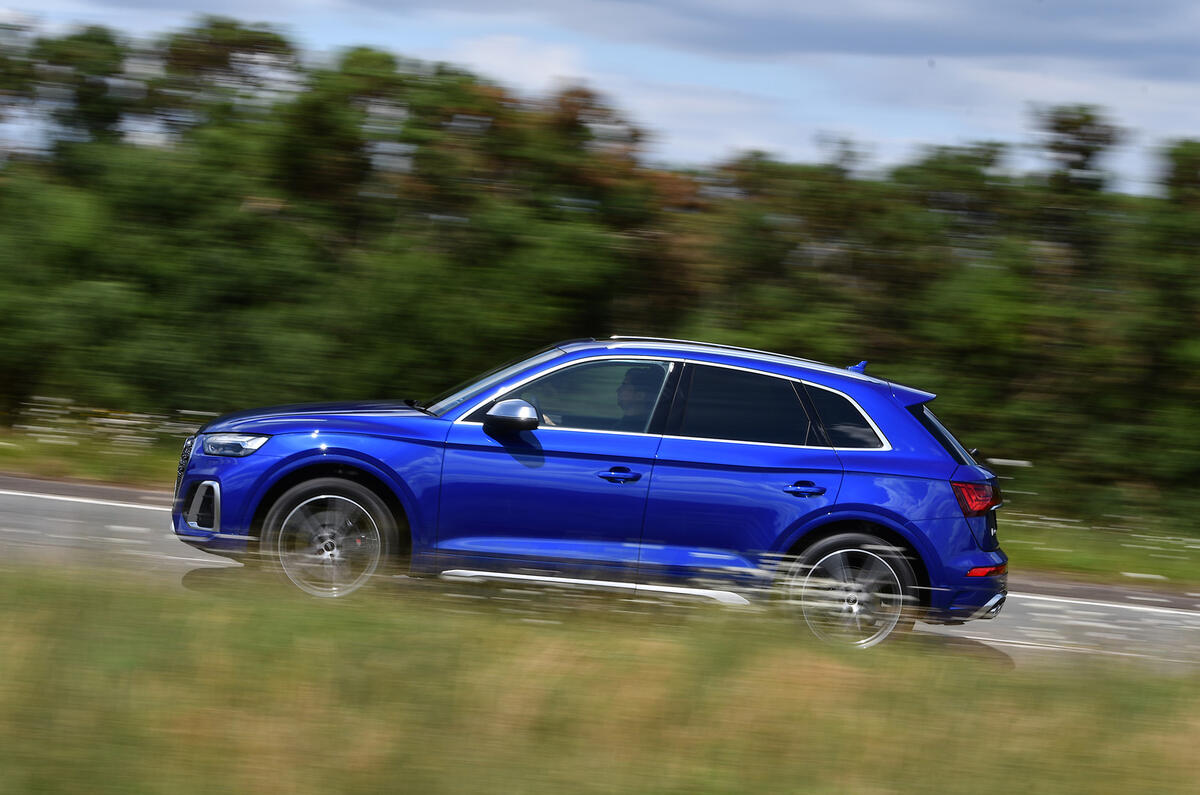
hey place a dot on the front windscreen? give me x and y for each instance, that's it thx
(472, 387)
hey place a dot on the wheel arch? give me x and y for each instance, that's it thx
(353, 471)
(870, 525)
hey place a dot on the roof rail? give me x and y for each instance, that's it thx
(625, 338)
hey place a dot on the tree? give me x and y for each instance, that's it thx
(1075, 138)
(86, 66)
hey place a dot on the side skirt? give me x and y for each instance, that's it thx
(471, 575)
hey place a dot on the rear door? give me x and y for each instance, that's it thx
(742, 464)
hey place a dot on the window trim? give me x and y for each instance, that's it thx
(500, 392)
(887, 444)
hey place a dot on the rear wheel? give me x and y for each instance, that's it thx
(329, 536)
(854, 589)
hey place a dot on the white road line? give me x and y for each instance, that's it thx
(88, 501)
(1056, 647)
(118, 540)
(163, 556)
(120, 528)
(1172, 611)
(22, 531)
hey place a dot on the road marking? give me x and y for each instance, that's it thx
(19, 530)
(1079, 649)
(216, 561)
(88, 501)
(120, 528)
(118, 540)
(1173, 611)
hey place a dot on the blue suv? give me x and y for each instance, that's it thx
(633, 464)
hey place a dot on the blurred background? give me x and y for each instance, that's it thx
(208, 217)
(200, 213)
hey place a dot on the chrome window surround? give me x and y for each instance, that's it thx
(498, 393)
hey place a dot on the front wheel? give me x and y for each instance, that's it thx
(854, 589)
(329, 536)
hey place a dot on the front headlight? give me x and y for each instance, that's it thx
(234, 444)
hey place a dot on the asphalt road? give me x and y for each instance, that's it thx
(128, 530)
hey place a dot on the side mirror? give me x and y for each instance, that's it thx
(511, 415)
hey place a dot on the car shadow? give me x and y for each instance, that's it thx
(952, 644)
(221, 581)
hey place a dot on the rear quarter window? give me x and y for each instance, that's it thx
(845, 424)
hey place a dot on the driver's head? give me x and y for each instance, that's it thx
(636, 393)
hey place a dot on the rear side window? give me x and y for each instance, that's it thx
(942, 434)
(746, 407)
(845, 424)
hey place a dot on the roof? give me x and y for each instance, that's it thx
(716, 351)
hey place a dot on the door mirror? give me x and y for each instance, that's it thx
(511, 415)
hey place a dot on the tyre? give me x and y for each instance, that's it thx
(854, 589)
(329, 536)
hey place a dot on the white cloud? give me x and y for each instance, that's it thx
(708, 77)
(530, 66)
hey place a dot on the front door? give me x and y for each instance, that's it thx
(568, 497)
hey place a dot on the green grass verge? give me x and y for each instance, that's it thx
(91, 459)
(1114, 552)
(128, 687)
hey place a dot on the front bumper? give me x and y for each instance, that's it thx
(213, 506)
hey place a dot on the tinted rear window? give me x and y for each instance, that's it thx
(747, 407)
(845, 424)
(940, 432)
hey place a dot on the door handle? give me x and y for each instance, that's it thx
(805, 488)
(619, 475)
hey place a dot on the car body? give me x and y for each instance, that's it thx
(629, 463)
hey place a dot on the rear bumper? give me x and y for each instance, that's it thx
(991, 608)
(970, 601)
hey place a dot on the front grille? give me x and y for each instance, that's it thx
(184, 457)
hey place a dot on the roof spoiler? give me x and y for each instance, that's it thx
(907, 396)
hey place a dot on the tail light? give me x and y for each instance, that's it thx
(976, 499)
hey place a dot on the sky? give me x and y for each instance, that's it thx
(710, 78)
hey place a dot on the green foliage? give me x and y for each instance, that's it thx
(380, 227)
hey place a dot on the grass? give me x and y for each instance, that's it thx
(121, 687)
(90, 458)
(1115, 551)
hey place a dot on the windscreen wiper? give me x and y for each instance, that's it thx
(418, 405)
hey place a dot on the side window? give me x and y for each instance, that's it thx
(748, 407)
(845, 424)
(597, 396)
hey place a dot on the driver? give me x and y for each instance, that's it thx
(636, 396)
